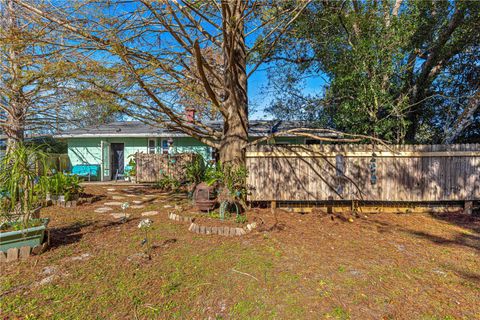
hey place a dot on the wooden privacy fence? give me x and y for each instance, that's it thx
(364, 172)
(55, 162)
(153, 167)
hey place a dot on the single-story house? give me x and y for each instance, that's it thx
(111, 146)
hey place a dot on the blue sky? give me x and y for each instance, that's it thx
(259, 94)
(260, 97)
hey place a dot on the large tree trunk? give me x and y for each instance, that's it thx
(15, 130)
(235, 136)
(16, 116)
(235, 132)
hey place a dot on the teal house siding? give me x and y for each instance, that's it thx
(84, 151)
(94, 145)
(184, 145)
(88, 150)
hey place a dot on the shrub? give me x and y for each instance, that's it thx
(168, 183)
(195, 170)
(132, 165)
(18, 174)
(231, 178)
(60, 184)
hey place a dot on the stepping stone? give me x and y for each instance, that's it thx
(137, 201)
(149, 213)
(118, 197)
(167, 206)
(130, 195)
(103, 209)
(119, 215)
(137, 206)
(111, 189)
(113, 203)
(83, 256)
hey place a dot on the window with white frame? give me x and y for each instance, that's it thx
(164, 146)
(152, 146)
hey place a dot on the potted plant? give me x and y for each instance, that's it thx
(131, 170)
(18, 201)
(194, 173)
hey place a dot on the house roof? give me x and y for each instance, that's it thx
(257, 128)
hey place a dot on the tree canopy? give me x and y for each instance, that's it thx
(169, 55)
(400, 70)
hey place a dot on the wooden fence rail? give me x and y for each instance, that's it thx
(55, 162)
(153, 167)
(364, 172)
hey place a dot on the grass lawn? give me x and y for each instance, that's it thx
(380, 266)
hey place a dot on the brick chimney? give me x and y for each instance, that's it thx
(190, 114)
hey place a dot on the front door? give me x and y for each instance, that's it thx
(117, 159)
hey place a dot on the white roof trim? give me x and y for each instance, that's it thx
(147, 135)
(116, 135)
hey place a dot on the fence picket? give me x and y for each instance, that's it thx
(404, 173)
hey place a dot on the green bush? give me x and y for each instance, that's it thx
(168, 183)
(195, 170)
(60, 184)
(18, 174)
(132, 168)
(233, 178)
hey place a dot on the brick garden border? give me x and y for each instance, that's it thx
(73, 203)
(222, 231)
(177, 217)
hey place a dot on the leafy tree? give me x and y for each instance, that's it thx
(400, 70)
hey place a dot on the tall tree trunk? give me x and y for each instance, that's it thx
(235, 132)
(17, 116)
(15, 130)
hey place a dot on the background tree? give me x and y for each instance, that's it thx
(38, 90)
(162, 49)
(401, 70)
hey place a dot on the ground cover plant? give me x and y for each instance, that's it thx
(60, 184)
(380, 266)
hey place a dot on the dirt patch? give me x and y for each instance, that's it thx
(208, 221)
(294, 266)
